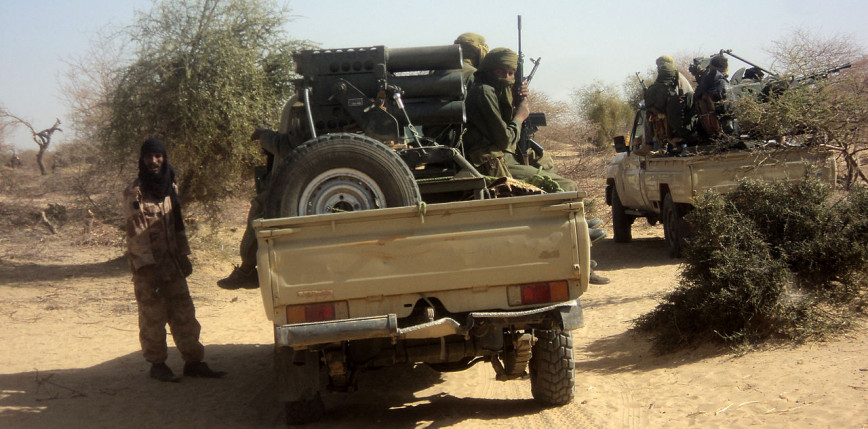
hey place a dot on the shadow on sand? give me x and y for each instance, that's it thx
(13, 273)
(119, 393)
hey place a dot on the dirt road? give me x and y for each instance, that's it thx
(69, 357)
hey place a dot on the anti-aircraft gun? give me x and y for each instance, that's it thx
(357, 116)
(758, 81)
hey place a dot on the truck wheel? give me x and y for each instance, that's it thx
(299, 383)
(552, 376)
(338, 173)
(621, 221)
(674, 228)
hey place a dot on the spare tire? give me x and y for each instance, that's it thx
(338, 173)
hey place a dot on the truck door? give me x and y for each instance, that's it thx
(633, 172)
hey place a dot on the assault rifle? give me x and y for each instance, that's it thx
(536, 120)
(642, 82)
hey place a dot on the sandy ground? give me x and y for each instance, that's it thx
(69, 357)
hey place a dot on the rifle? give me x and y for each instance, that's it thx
(525, 141)
(642, 82)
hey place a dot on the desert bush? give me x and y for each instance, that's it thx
(767, 261)
(606, 109)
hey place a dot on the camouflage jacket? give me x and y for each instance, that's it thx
(151, 235)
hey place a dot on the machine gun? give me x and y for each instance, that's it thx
(536, 120)
(810, 78)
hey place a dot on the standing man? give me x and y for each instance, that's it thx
(158, 253)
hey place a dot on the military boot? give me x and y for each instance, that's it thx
(596, 279)
(240, 279)
(162, 372)
(596, 234)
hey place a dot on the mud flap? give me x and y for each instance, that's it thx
(571, 317)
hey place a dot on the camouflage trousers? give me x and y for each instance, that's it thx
(520, 171)
(164, 300)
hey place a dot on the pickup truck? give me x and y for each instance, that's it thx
(661, 187)
(379, 247)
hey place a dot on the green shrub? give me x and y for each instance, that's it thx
(766, 261)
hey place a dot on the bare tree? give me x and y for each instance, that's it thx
(42, 138)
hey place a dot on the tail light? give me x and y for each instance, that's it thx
(319, 312)
(538, 293)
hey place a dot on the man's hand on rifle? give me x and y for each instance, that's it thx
(522, 111)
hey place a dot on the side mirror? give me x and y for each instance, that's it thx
(620, 144)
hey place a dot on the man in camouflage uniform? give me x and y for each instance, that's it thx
(494, 129)
(158, 251)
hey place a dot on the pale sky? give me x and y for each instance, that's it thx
(578, 41)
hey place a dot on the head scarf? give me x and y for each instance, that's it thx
(665, 59)
(720, 63)
(473, 47)
(667, 73)
(162, 184)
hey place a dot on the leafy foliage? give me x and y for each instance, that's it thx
(605, 107)
(204, 74)
(767, 260)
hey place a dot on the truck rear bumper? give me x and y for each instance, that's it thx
(566, 314)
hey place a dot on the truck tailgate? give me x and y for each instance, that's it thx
(469, 244)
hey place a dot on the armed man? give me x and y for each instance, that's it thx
(494, 128)
(712, 91)
(158, 253)
(668, 103)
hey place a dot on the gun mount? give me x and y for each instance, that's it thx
(363, 89)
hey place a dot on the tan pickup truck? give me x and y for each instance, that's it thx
(454, 284)
(662, 188)
(381, 246)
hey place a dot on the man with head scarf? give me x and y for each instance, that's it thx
(494, 124)
(684, 86)
(711, 93)
(158, 253)
(667, 103)
(473, 49)
(494, 129)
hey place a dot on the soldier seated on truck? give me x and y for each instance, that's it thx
(711, 96)
(494, 124)
(473, 50)
(494, 128)
(668, 103)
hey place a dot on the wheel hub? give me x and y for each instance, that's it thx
(340, 190)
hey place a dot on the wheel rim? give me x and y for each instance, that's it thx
(340, 190)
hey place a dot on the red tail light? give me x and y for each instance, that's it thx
(319, 312)
(538, 293)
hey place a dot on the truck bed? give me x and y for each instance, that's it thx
(458, 252)
(647, 179)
